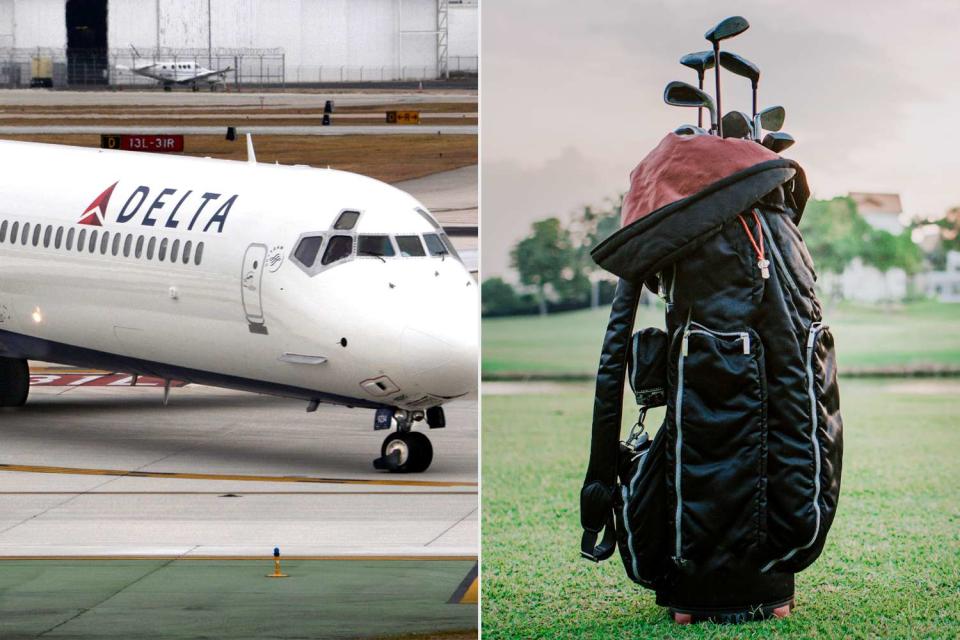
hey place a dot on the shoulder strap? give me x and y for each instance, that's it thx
(597, 495)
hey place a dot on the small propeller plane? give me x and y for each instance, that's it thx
(172, 72)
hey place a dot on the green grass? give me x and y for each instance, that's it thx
(917, 334)
(890, 569)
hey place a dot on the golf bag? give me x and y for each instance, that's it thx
(739, 487)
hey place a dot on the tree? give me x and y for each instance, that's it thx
(949, 236)
(885, 251)
(835, 233)
(501, 299)
(548, 257)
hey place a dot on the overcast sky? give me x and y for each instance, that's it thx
(571, 98)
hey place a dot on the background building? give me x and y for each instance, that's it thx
(882, 210)
(296, 40)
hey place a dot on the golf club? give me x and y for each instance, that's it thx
(689, 130)
(778, 141)
(681, 94)
(736, 124)
(770, 119)
(726, 28)
(740, 66)
(699, 62)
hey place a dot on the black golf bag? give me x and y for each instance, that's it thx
(737, 490)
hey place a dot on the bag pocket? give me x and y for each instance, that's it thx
(641, 531)
(825, 433)
(647, 367)
(719, 471)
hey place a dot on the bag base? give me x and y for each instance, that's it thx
(729, 598)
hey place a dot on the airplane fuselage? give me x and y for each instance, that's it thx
(309, 283)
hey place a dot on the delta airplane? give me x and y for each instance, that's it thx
(315, 284)
(184, 72)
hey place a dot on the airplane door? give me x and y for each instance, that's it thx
(251, 284)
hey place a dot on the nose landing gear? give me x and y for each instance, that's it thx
(404, 451)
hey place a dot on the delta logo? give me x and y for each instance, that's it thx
(169, 208)
(97, 211)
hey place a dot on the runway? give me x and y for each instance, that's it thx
(292, 130)
(252, 114)
(109, 471)
(181, 99)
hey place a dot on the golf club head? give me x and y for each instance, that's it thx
(740, 66)
(690, 130)
(772, 118)
(727, 28)
(681, 94)
(699, 61)
(778, 141)
(736, 124)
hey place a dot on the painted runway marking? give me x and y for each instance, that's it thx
(22, 468)
(468, 591)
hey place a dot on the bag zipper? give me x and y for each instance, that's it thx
(815, 329)
(678, 447)
(743, 335)
(627, 492)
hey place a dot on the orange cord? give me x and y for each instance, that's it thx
(756, 247)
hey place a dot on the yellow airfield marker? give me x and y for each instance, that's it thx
(276, 565)
(468, 592)
(471, 596)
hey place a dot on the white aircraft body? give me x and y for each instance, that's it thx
(184, 72)
(307, 283)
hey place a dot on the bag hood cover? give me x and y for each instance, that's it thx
(686, 189)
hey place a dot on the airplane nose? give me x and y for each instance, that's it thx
(440, 348)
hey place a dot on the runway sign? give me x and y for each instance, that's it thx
(154, 143)
(95, 380)
(403, 117)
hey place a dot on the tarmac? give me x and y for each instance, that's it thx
(93, 470)
(293, 130)
(167, 598)
(120, 517)
(180, 99)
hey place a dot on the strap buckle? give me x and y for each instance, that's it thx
(637, 429)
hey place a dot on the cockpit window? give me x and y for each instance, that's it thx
(449, 245)
(429, 218)
(410, 246)
(338, 248)
(346, 221)
(379, 246)
(307, 250)
(435, 245)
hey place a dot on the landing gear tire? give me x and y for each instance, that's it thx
(406, 452)
(15, 382)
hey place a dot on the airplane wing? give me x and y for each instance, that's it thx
(202, 76)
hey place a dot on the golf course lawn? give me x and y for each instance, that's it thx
(890, 568)
(916, 334)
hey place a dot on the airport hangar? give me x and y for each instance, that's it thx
(301, 40)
